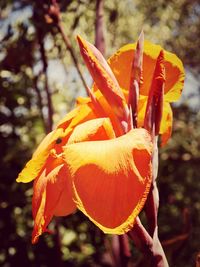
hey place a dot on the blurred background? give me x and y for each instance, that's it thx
(38, 85)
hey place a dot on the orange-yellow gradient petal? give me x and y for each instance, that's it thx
(111, 178)
(52, 196)
(121, 62)
(107, 110)
(78, 115)
(93, 130)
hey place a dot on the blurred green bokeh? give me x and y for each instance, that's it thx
(23, 116)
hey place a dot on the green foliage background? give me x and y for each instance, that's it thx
(173, 24)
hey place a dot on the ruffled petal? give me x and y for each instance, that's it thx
(111, 179)
(121, 62)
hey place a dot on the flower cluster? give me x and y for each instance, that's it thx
(99, 157)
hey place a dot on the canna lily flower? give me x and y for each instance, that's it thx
(111, 179)
(94, 160)
(58, 186)
(53, 187)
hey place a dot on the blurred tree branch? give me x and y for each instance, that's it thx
(54, 13)
(99, 27)
(40, 102)
(46, 86)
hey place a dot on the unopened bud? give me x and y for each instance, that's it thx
(154, 107)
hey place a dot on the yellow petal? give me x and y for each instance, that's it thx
(82, 100)
(141, 110)
(121, 62)
(78, 115)
(34, 166)
(111, 178)
(166, 123)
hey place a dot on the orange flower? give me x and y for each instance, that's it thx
(111, 179)
(53, 194)
(121, 63)
(92, 160)
(65, 180)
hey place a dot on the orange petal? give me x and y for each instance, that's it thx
(111, 178)
(52, 196)
(121, 62)
(41, 215)
(93, 130)
(104, 78)
(65, 204)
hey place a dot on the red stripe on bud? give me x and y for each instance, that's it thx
(154, 107)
